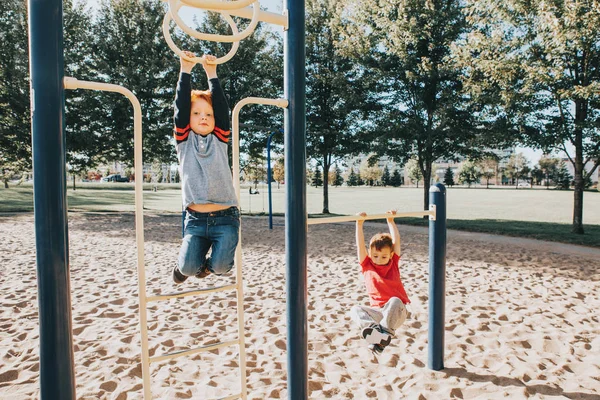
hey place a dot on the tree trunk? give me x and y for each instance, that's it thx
(5, 184)
(580, 115)
(325, 186)
(579, 183)
(426, 181)
(74, 183)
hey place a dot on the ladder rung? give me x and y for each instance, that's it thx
(191, 293)
(233, 396)
(194, 351)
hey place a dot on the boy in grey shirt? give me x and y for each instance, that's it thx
(212, 215)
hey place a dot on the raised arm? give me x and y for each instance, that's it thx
(220, 105)
(394, 232)
(183, 100)
(361, 251)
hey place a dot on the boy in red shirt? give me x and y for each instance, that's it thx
(382, 280)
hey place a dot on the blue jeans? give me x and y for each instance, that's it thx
(219, 229)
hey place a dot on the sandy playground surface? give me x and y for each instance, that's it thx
(522, 317)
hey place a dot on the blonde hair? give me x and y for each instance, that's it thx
(381, 240)
(202, 95)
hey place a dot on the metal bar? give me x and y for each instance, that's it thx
(269, 179)
(437, 278)
(246, 12)
(188, 293)
(238, 252)
(295, 216)
(233, 396)
(197, 350)
(57, 374)
(72, 83)
(346, 218)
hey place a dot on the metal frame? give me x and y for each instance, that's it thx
(48, 148)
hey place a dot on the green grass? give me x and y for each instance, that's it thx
(553, 232)
(536, 214)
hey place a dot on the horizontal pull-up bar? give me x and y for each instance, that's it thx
(347, 218)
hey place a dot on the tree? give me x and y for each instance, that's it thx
(449, 177)
(514, 167)
(426, 114)
(359, 180)
(548, 166)
(385, 178)
(335, 90)
(488, 167)
(352, 178)
(537, 175)
(130, 50)
(555, 100)
(82, 107)
(317, 180)
(562, 178)
(279, 171)
(415, 173)
(15, 123)
(338, 179)
(396, 179)
(369, 171)
(255, 171)
(469, 173)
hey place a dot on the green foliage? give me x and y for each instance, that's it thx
(396, 179)
(15, 124)
(561, 177)
(385, 177)
(469, 173)
(449, 177)
(336, 90)
(536, 67)
(517, 167)
(338, 180)
(415, 173)
(317, 179)
(129, 50)
(353, 178)
(425, 115)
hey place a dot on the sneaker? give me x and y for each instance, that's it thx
(203, 273)
(178, 277)
(375, 334)
(376, 349)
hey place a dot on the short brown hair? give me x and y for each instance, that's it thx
(381, 240)
(202, 94)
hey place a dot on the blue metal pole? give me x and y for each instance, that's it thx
(437, 278)
(57, 376)
(295, 216)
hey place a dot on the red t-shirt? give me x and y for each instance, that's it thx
(383, 281)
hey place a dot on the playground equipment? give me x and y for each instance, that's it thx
(47, 96)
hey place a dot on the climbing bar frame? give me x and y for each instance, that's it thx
(72, 83)
(347, 218)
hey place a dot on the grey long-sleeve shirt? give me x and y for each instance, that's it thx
(203, 163)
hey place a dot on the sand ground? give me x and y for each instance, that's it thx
(522, 317)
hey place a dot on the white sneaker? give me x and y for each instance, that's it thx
(373, 335)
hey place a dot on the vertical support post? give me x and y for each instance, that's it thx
(437, 277)
(269, 178)
(57, 375)
(295, 216)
